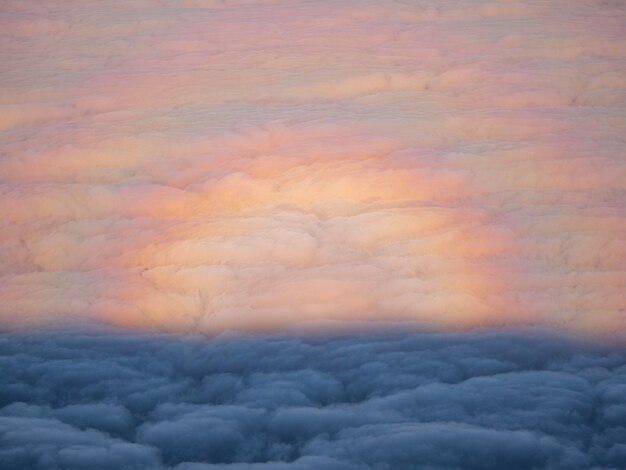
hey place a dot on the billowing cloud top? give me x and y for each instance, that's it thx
(212, 165)
(487, 401)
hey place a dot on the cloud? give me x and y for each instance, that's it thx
(49, 443)
(371, 400)
(258, 164)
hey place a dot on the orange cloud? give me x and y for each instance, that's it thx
(256, 165)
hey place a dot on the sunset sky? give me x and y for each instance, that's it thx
(312, 234)
(254, 165)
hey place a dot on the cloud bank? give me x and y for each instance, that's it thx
(487, 400)
(220, 165)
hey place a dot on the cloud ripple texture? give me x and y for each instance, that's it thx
(248, 164)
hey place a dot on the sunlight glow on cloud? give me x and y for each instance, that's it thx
(258, 164)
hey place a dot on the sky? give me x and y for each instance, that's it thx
(203, 166)
(313, 234)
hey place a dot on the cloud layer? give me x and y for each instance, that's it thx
(254, 164)
(487, 400)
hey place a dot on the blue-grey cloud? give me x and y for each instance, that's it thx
(79, 399)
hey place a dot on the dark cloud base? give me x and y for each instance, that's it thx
(489, 400)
